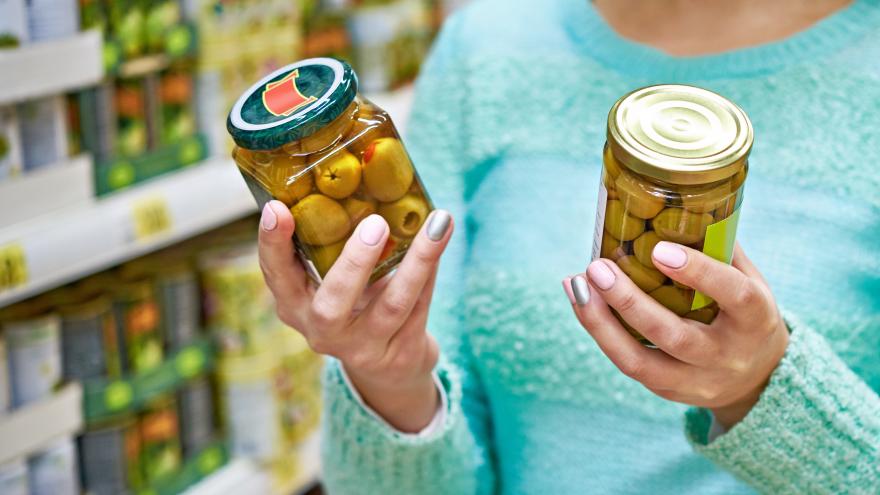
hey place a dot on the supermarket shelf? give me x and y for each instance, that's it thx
(70, 182)
(50, 67)
(29, 429)
(62, 247)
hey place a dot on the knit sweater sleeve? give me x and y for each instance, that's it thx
(361, 454)
(815, 429)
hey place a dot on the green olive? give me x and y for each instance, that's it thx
(388, 173)
(612, 194)
(324, 256)
(330, 134)
(643, 246)
(359, 209)
(677, 300)
(703, 315)
(338, 175)
(320, 220)
(612, 249)
(681, 226)
(620, 224)
(637, 197)
(706, 199)
(646, 278)
(611, 169)
(405, 215)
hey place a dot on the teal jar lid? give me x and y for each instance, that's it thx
(291, 103)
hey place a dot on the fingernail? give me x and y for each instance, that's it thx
(566, 286)
(268, 220)
(581, 290)
(601, 275)
(371, 230)
(671, 255)
(438, 224)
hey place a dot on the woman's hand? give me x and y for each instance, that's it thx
(723, 366)
(378, 334)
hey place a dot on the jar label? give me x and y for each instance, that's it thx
(599, 230)
(283, 97)
(719, 243)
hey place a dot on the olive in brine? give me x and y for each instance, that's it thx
(637, 198)
(611, 249)
(388, 172)
(681, 226)
(405, 215)
(338, 175)
(645, 277)
(677, 300)
(703, 315)
(324, 256)
(643, 246)
(620, 224)
(706, 200)
(359, 209)
(320, 220)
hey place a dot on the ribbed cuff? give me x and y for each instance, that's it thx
(815, 429)
(363, 455)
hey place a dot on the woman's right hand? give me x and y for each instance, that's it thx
(379, 334)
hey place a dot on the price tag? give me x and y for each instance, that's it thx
(13, 267)
(151, 217)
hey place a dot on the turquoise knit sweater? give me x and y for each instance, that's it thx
(507, 132)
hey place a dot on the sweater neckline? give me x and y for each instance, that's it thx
(611, 49)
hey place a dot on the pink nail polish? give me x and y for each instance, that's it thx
(268, 219)
(669, 254)
(371, 230)
(566, 286)
(601, 275)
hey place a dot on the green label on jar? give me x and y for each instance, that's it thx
(720, 239)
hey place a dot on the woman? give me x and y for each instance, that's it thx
(507, 132)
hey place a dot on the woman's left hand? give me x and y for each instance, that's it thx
(723, 366)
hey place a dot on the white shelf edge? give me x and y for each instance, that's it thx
(50, 67)
(70, 244)
(66, 184)
(28, 430)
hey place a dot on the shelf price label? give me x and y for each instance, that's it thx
(13, 267)
(151, 217)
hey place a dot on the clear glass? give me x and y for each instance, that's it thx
(641, 211)
(331, 180)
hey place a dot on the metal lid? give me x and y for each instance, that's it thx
(679, 134)
(291, 103)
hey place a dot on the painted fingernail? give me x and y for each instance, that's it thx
(438, 224)
(268, 220)
(601, 275)
(566, 286)
(371, 230)
(671, 255)
(580, 289)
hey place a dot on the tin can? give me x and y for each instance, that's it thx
(10, 143)
(89, 345)
(137, 319)
(54, 471)
(305, 137)
(177, 289)
(160, 443)
(675, 164)
(52, 19)
(43, 130)
(34, 354)
(196, 412)
(250, 406)
(4, 379)
(13, 23)
(110, 458)
(14, 478)
(132, 133)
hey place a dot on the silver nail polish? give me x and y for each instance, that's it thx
(581, 290)
(438, 224)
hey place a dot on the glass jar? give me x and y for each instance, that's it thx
(305, 137)
(674, 169)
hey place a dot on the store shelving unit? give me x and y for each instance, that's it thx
(31, 428)
(43, 191)
(50, 67)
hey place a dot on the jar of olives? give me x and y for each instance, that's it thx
(674, 167)
(305, 137)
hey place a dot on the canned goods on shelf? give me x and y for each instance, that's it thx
(160, 444)
(177, 289)
(5, 399)
(299, 386)
(675, 164)
(43, 131)
(11, 163)
(110, 457)
(54, 471)
(196, 412)
(89, 343)
(137, 320)
(34, 355)
(52, 19)
(14, 478)
(305, 137)
(13, 25)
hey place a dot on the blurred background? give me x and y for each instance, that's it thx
(139, 348)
